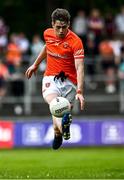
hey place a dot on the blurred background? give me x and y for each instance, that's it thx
(24, 116)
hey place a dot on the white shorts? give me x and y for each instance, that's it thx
(65, 89)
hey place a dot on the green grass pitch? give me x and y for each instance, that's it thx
(70, 163)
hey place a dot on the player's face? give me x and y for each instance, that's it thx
(60, 28)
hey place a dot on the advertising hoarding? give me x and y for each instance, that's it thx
(6, 134)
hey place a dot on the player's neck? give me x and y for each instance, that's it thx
(61, 38)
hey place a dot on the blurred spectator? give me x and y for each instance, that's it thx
(90, 62)
(23, 44)
(36, 47)
(14, 60)
(116, 45)
(121, 78)
(108, 65)
(109, 24)
(96, 27)
(4, 74)
(79, 25)
(119, 21)
(13, 54)
(121, 64)
(3, 35)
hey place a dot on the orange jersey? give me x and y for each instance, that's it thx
(62, 53)
(105, 48)
(3, 70)
(13, 53)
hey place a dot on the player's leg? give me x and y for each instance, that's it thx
(67, 118)
(56, 121)
(57, 142)
(58, 139)
(49, 92)
(61, 125)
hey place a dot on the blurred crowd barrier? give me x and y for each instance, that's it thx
(23, 97)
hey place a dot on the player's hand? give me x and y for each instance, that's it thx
(32, 69)
(81, 99)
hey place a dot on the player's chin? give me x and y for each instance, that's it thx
(61, 35)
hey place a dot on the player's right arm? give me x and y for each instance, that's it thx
(33, 68)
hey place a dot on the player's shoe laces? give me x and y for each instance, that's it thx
(57, 142)
(66, 122)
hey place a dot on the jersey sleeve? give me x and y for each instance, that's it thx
(78, 50)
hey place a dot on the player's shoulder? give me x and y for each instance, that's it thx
(48, 31)
(74, 36)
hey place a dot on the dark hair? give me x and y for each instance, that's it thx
(61, 15)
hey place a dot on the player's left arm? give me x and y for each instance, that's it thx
(79, 65)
